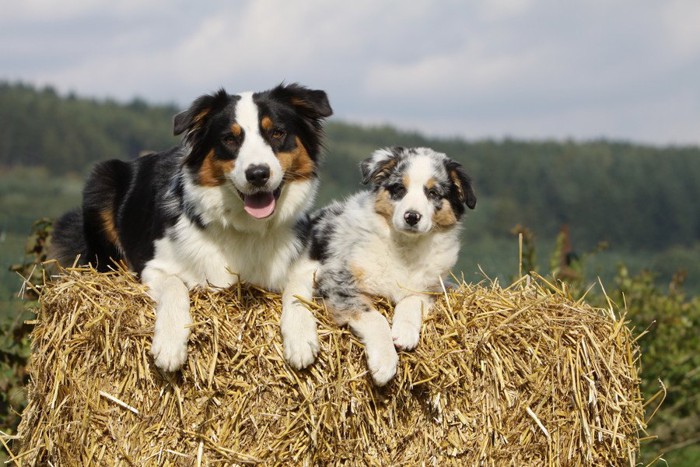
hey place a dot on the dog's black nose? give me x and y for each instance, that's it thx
(411, 218)
(257, 175)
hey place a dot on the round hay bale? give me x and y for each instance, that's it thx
(514, 376)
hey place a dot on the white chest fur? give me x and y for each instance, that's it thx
(221, 257)
(233, 247)
(388, 263)
(397, 270)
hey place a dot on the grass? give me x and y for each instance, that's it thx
(686, 456)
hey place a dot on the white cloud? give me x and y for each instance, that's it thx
(681, 23)
(495, 10)
(470, 72)
(39, 11)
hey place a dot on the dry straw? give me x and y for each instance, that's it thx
(502, 376)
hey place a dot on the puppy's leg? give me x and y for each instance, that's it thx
(169, 346)
(350, 306)
(373, 330)
(408, 317)
(297, 323)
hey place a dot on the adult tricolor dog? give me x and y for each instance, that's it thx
(221, 207)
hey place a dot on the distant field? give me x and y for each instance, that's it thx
(27, 194)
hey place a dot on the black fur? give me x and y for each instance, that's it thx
(462, 190)
(322, 230)
(72, 238)
(132, 193)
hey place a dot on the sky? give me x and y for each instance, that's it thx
(528, 69)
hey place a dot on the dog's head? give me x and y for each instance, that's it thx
(257, 143)
(418, 190)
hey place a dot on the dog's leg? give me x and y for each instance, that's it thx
(297, 323)
(169, 346)
(408, 317)
(373, 330)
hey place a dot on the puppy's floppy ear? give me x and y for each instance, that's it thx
(195, 117)
(377, 167)
(461, 182)
(311, 103)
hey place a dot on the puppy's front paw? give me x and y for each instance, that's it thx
(169, 346)
(405, 334)
(167, 354)
(382, 362)
(300, 340)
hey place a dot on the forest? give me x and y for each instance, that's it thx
(627, 212)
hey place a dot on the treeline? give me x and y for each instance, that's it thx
(68, 134)
(635, 197)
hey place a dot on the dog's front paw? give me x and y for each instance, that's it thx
(169, 346)
(300, 340)
(405, 334)
(168, 355)
(382, 362)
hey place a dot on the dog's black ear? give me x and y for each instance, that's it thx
(461, 182)
(312, 106)
(377, 167)
(195, 117)
(311, 103)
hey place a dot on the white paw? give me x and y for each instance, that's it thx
(405, 334)
(382, 361)
(169, 346)
(300, 339)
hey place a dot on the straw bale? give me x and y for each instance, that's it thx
(502, 376)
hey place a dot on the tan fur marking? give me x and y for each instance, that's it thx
(236, 129)
(197, 120)
(383, 205)
(109, 226)
(298, 102)
(297, 164)
(357, 273)
(430, 183)
(445, 217)
(266, 123)
(343, 317)
(458, 184)
(384, 170)
(213, 171)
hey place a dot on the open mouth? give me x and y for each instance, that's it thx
(262, 204)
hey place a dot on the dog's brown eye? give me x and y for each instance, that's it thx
(434, 194)
(278, 134)
(229, 140)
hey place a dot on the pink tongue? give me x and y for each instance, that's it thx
(259, 205)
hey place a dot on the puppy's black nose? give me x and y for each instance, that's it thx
(257, 175)
(411, 218)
